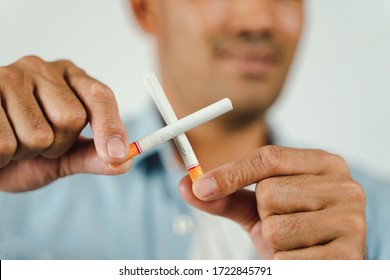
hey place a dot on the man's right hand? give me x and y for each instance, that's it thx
(43, 108)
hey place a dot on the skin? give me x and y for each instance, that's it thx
(305, 205)
(45, 145)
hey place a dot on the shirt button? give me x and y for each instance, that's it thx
(183, 225)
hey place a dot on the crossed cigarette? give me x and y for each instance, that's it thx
(176, 128)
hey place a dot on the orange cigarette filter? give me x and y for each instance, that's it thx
(195, 172)
(134, 150)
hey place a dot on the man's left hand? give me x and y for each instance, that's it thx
(305, 205)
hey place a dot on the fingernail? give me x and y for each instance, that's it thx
(116, 148)
(204, 187)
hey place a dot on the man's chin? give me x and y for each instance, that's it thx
(243, 116)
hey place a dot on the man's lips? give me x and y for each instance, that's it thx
(254, 63)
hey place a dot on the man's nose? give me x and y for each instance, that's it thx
(251, 16)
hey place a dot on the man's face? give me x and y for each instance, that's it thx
(211, 49)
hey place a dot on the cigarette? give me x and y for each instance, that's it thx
(179, 128)
(169, 116)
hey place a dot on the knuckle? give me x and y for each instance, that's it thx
(42, 69)
(108, 127)
(30, 60)
(337, 162)
(339, 159)
(6, 72)
(69, 68)
(340, 162)
(8, 147)
(10, 74)
(358, 193)
(70, 120)
(231, 178)
(73, 117)
(75, 120)
(264, 195)
(322, 155)
(112, 127)
(267, 159)
(50, 74)
(40, 137)
(290, 226)
(270, 231)
(69, 65)
(278, 229)
(354, 192)
(65, 62)
(99, 92)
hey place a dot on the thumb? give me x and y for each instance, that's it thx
(240, 206)
(84, 158)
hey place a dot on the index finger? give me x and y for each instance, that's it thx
(266, 162)
(110, 136)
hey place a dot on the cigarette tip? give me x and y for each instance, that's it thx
(133, 151)
(195, 172)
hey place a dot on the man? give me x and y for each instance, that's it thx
(305, 204)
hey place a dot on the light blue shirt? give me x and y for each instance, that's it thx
(131, 216)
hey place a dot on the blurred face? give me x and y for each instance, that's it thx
(211, 49)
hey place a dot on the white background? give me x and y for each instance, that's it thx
(337, 97)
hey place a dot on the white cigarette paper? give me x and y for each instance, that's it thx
(169, 116)
(181, 126)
